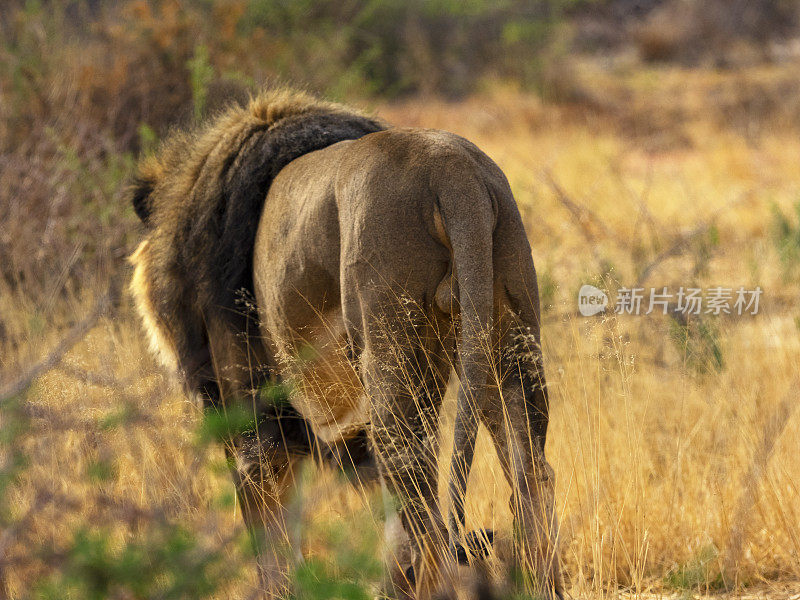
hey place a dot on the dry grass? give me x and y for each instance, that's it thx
(671, 472)
(651, 457)
(654, 461)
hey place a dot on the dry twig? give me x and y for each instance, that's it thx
(75, 335)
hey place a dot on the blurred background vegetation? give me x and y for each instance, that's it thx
(108, 487)
(86, 85)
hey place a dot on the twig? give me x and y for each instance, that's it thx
(585, 217)
(682, 243)
(55, 356)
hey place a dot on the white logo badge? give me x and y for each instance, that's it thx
(591, 300)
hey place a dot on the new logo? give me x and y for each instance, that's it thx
(591, 300)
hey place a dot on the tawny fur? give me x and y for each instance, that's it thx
(288, 215)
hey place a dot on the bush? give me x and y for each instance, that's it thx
(393, 47)
(86, 85)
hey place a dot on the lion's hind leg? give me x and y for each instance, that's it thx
(404, 369)
(263, 464)
(516, 415)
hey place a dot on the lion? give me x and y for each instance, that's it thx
(297, 245)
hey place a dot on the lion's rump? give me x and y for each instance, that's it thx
(201, 198)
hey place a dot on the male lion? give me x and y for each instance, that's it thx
(297, 242)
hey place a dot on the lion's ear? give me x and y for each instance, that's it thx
(140, 193)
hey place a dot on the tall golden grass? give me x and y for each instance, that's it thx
(676, 461)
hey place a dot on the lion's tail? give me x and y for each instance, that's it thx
(469, 222)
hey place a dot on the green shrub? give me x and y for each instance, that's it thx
(701, 573)
(786, 236)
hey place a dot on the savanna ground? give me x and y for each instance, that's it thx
(674, 443)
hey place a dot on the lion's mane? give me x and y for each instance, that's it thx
(200, 198)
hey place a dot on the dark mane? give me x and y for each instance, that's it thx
(201, 198)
